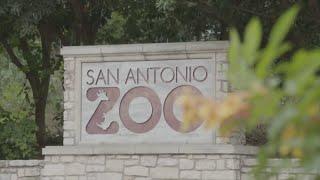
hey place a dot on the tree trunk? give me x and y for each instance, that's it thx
(40, 95)
(40, 112)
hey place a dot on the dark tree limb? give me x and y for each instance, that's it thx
(14, 59)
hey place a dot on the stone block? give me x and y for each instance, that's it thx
(191, 174)
(72, 178)
(213, 157)
(55, 159)
(136, 171)
(206, 164)
(81, 159)
(232, 163)
(33, 162)
(221, 56)
(164, 173)
(75, 169)
(114, 165)
(68, 133)
(109, 176)
(167, 161)
(128, 178)
(131, 162)
(96, 160)
(8, 170)
(17, 163)
(57, 178)
(186, 164)
(149, 161)
(220, 164)
(221, 175)
(229, 156)
(66, 158)
(123, 156)
(142, 178)
(20, 172)
(47, 158)
(179, 156)
(95, 168)
(198, 156)
(14, 177)
(68, 105)
(249, 162)
(69, 125)
(3, 163)
(68, 141)
(135, 157)
(31, 172)
(53, 170)
(5, 177)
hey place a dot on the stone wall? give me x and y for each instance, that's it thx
(20, 169)
(144, 167)
(290, 170)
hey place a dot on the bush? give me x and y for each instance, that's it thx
(17, 137)
(257, 136)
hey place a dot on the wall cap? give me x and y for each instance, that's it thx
(150, 48)
(150, 149)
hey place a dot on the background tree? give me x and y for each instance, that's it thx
(32, 31)
(223, 14)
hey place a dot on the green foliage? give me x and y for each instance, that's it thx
(17, 137)
(219, 15)
(113, 31)
(285, 95)
(35, 29)
(17, 110)
(17, 128)
(54, 110)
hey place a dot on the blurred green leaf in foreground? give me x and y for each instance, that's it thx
(283, 95)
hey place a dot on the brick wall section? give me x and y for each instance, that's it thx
(20, 169)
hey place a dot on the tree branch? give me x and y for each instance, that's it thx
(14, 59)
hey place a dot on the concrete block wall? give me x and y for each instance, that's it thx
(20, 169)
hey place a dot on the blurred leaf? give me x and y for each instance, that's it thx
(275, 48)
(252, 40)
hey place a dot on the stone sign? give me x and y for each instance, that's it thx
(127, 94)
(135, 101)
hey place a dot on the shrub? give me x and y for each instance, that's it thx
(17, 137)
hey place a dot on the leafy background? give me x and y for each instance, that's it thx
(34, 30)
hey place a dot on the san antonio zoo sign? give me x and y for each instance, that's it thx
(135, 101)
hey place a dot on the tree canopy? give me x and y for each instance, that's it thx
(32, 31)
